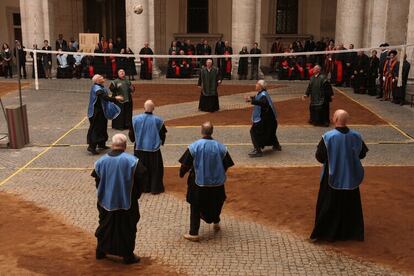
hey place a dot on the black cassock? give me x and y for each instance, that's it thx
(206, 202)
(372, 75)
(209, 99)
(263, 133)
(117, 230)
(154, 164)
(360, 74)
(320, 92)
(338, 212)
(97, 132)
(146, 64)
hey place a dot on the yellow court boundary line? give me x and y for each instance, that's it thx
(42, 153)
(373, 112)
(233, 144)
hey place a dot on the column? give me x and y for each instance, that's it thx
(35, 22)
(349, 22)
(396, 26)
(137, 25)
(410, 38)
(243, 24)
(378, 22)
(140, 28)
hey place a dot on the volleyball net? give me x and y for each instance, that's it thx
(72, 71)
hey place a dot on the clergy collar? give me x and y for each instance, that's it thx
(344, 129)
(207, 137)
(146, 112)
(115, 152)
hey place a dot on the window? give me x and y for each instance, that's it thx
(17, 28)
(197, 16)
(287, 17)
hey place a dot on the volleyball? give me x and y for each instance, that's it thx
(138, 9)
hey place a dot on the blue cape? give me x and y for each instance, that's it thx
(111, 110)
(257, 110)
(147, 132)
(116, 175)
(208, 158)
(345, 168)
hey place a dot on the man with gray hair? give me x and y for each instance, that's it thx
(119, 177)
(338, 209)
(207, 160)
(321, 93)
(208, 81)
(264, 121)
(101, 108)
(148, 132)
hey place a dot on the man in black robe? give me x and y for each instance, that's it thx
(97, 132)
(264, 121)
(255, 61)
(207, 161)
(338, 209)
(219, 50)
(349, 60)
(148, 132)
(401, 91)
(372, 74)
(146, 63)
(321, 93)
(123, 87)
(119, 177)
(208, 81)
(360, 73)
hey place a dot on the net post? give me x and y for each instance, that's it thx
(400, 67)
(35, 70)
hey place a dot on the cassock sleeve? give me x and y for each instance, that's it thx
(101, 95)
(262, 102)
(163, 134)
(321, 153)
(364, 151)
(227, 161)
(131, 133)
(97, 179)
(199, 78)
(140, 177)
(309, 89)
(186, 162)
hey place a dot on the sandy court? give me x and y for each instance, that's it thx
(286, 198)
(35, 241)
(163, 94)
(7, 87)
(290, 112)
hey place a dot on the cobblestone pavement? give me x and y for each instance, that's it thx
(59, 179)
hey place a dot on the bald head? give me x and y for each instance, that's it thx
(149, 106)
(340, 118)
(207, 129)
(98, 79)
(119, 141)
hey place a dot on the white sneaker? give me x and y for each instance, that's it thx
(193, 238)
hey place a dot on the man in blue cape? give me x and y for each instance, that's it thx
(264, 121)
(101, 108)
(119, 177)
(338, 209)
(207, 161)
(148, 132)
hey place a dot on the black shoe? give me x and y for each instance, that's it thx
(132, 259)
(378, 97)
(104, 147)
(100, 255)
(256, 153)
(92, 150)
(277, 148)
